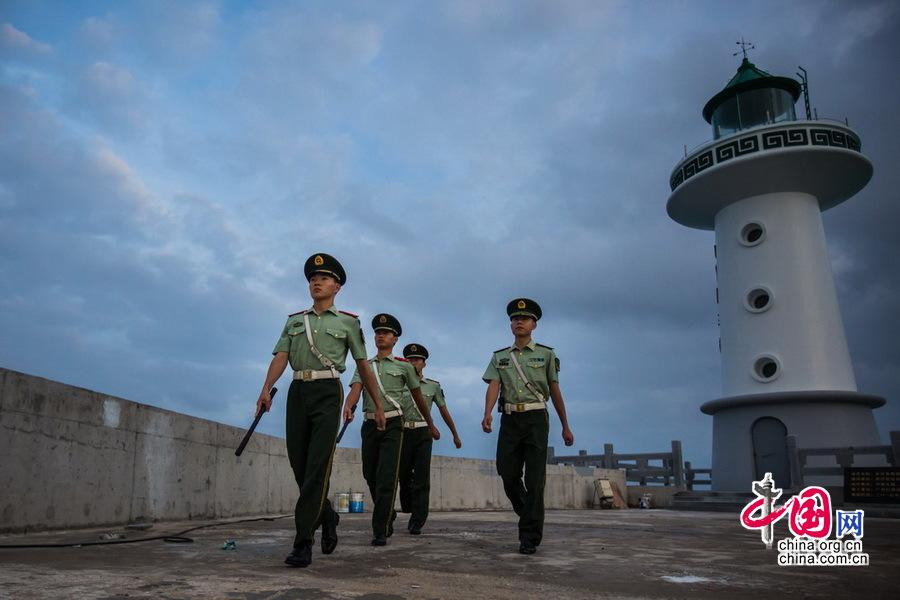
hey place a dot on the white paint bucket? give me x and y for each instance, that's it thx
(343, 502)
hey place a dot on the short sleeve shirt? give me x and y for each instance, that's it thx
(333, 332)
(398, 378)
(432, 393)
(538, 362)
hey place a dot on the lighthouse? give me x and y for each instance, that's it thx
(762, 184)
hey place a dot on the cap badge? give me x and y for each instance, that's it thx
(413, 348)
(383, 319)
(319, 261)
(521, 304)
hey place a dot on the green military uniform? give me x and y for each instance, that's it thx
(381, 449)
(415, 459)
(314, 405)
(524, 426)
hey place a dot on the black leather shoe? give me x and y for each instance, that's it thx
(415, 528)
(329, 533)
(300, 557)
(526, 547)
(379, 540)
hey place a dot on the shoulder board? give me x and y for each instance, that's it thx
(344, 312)
(435, 381)
(503, 349)
(543, 346)
(299, 313)
(401, 359)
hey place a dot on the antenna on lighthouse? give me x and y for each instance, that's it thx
(744, 47)
(805, 84)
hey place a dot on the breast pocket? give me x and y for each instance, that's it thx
(536, 365)
(338, 334)
(393, 379)
(297, 330)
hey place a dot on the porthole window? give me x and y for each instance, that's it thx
(766, 368)
(758, 300)
(752, 234)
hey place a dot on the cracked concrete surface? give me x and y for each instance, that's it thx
(585, 554)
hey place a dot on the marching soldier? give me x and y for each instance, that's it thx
(381, 448)
(315, 343)
(527, 374)
(415, 459)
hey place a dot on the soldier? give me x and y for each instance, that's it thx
(381, 449)
(415, 460)
(526, 373)
(315, 342)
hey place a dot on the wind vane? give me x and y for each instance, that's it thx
(744, 47)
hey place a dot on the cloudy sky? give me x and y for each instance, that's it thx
(166, 168)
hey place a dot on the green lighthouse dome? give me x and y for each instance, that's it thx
(752, 97)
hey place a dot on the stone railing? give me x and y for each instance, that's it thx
(843, 457)
(671, 469)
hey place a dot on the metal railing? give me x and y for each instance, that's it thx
(689, 151)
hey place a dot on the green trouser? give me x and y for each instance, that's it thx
(523, 442)
(381, 466)
(313, 412)
(415, 473)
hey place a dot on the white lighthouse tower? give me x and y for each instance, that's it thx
(762, 184)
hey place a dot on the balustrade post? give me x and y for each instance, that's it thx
(609, 457)
(678, 464)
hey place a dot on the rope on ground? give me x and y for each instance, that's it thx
(177, 538)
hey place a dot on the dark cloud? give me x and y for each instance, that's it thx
(161, 187)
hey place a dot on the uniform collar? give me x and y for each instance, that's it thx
(332, 309)
(390, 357)
(530, 345)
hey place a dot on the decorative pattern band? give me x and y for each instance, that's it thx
(768, 139)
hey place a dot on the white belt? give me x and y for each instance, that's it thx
(387, 415)
(509, 408)
(309, 375)
(414, 424)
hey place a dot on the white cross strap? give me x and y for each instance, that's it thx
(531, 387)
(384, 394)
(326, 362)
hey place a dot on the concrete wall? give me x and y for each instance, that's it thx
(77, 458)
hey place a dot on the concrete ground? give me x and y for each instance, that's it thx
(585, 554)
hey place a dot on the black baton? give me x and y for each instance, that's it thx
(250, 431)
(344, 428)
